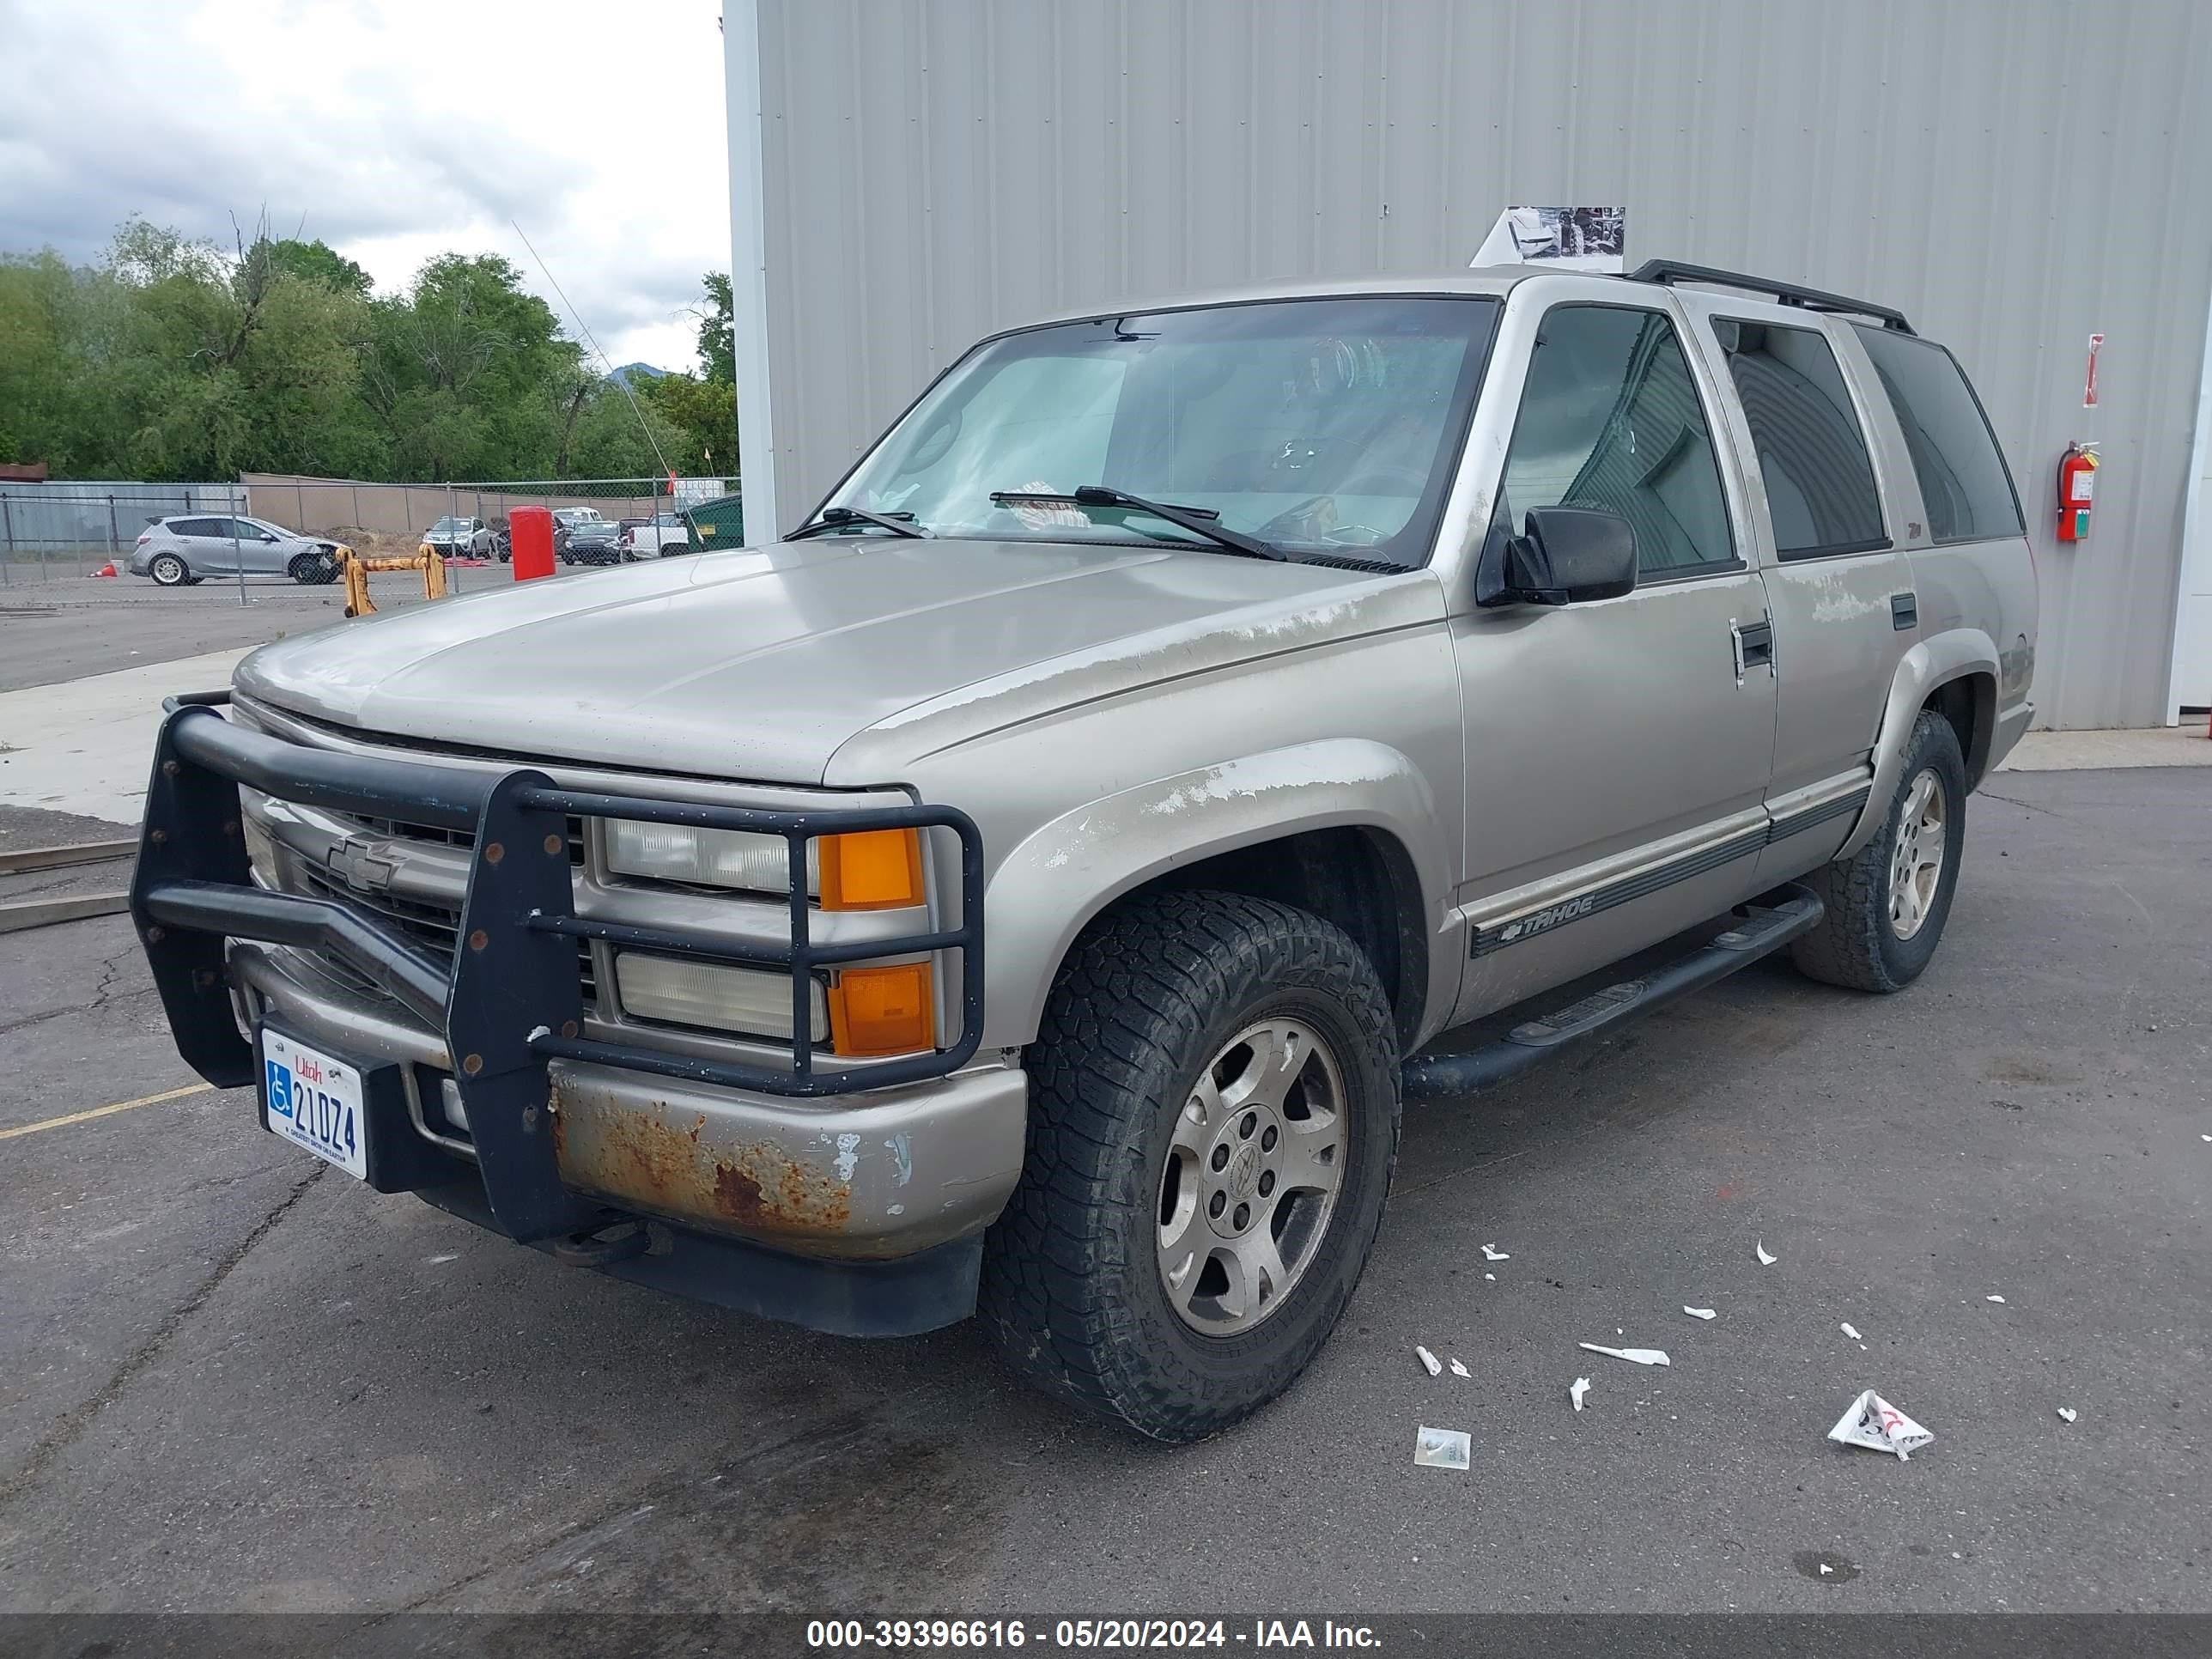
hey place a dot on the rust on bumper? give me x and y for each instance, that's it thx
(647, 1158)
(870, 1176)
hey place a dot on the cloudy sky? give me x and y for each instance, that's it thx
(392, 129)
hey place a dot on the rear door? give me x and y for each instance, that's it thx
(1838, 585)
(204, 543)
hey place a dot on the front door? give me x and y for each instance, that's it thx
(1618, 750)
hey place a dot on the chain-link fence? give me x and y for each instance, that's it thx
(469, 519)
(51, 529)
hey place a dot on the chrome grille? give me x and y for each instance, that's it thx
(463, 838)
(435, 927)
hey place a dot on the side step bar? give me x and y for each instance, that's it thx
(1764, 929)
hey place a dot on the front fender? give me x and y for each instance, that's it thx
(1054, 883)
(1934, 661)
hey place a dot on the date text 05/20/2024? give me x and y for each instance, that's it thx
(1087, 1634)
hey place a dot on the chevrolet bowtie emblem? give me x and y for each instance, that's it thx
(356, 862)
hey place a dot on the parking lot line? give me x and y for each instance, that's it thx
(67, 1118)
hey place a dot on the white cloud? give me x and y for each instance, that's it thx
(392, 129)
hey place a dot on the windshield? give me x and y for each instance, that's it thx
(1318, 426)
(452, 524)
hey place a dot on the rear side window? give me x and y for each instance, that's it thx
(194, 528)
(1820, 483)
(1964, 483)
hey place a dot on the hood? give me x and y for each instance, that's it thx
(758, 664)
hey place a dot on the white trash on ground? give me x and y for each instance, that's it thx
(1493, 1278)
(2067, 1413)
(1765, 1260)
(1638, 1356)
(1699, 1313)
(1994, 1298)
(1852, 1331)
(1576, 1394)
(1491, 1253)
(1428, 1360)
(1872, 1422)
(1458, 1369)
(1442, 1449)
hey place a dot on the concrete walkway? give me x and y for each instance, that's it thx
(84, 746)
(2082, 751)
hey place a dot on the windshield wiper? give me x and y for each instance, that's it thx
(1196, 519)
(837, 517)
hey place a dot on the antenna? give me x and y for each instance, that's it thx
(621, 380)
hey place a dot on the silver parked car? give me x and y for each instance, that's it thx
(186, 547)
(1030, 887)
(467, 537)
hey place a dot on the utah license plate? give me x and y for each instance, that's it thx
(314, 1101)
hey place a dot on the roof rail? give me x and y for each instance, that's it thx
(1670, 271)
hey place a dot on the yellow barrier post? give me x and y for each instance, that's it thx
(357, 571)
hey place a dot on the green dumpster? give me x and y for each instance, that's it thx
(717, 522)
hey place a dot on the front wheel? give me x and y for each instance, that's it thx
(1887, 905)
(167, 570)
(1213, 1123)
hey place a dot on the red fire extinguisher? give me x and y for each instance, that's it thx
(2077, 491)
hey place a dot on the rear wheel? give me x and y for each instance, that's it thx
(167, 570)
(1887, 905)
(1212, 1125)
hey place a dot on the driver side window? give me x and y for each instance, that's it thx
(1611, 418)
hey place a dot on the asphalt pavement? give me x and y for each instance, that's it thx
(232, 1379)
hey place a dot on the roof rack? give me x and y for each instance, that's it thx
(1670, 271)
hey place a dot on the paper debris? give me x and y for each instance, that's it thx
(2204, 1137)
(1576, 1394)
(1442, 1449)
(1765, 1260)
(2067, 1413)
(1826, 1569)
(438, 1261)
(1852, 1331)
(1872, 1422)
(1428, 1360)
(1638, 1356)
(1997, 1299)
(1698, 1313)
(1493, 1278)
(1458, 1369)
(1491, 1253)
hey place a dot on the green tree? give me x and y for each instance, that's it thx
(718, 348)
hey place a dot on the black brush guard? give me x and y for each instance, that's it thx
(512, 1001)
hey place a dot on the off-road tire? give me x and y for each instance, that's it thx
(1855, 945)
(168, 570)
(1072, 1290)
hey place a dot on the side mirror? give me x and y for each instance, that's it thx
(1568, 555)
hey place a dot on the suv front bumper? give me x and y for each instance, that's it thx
(848, 1197)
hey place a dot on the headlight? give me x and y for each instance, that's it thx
(706, 858)
(712, 995)
(869, 870)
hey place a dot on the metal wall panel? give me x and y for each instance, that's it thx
(2015, 174)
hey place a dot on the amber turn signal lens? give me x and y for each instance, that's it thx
(874, 870)
(882, 1011)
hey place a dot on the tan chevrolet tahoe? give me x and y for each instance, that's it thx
(1029, 889)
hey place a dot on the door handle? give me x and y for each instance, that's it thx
(1754, 646)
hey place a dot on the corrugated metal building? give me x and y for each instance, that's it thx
(2016, 174)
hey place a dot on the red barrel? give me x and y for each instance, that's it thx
(530, 533)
